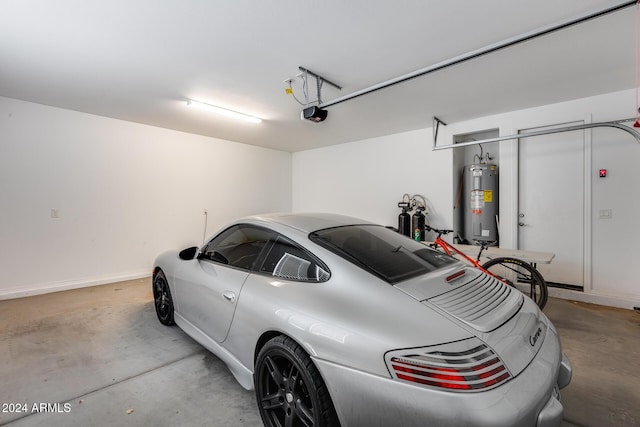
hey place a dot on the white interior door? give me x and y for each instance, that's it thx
(551, 200)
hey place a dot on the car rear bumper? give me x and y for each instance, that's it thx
(530, 399)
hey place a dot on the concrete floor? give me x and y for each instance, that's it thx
(103, 357)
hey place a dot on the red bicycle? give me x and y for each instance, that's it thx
(512, 271)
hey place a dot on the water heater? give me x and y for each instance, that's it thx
(480, 198)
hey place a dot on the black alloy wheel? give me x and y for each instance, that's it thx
(289, 389)
(162, 299)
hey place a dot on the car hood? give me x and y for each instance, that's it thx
(498, 314)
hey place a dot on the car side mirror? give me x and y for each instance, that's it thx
(188, 254)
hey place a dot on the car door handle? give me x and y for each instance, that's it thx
(229, 296)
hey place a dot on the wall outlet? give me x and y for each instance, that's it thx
(605, 214)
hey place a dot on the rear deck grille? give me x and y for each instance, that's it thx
(484, 303)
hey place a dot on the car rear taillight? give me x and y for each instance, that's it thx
(450, 367)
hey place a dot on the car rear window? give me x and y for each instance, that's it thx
(383, 252)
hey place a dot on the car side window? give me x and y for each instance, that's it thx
(287, 260)
(238, 246)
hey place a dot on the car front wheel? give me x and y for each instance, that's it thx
(289, 389)
(162, 299)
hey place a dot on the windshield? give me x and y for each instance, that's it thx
(389, 255)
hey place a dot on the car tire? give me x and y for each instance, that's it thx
(162, 299)
(289, 388)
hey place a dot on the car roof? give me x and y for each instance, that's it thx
(307, 222)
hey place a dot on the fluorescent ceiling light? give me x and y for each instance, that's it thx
(223, 111)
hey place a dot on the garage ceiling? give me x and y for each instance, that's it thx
(141, 60)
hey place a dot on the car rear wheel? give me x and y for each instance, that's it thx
(289, 389)
(162, 298)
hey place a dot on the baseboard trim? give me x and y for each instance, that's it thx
(45, 288)
(611, 300)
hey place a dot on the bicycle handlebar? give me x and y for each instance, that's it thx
(440, 232)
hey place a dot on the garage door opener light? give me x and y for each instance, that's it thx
(223, 111)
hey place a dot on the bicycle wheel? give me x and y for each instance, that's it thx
(521, 275)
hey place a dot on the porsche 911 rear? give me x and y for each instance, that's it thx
(510, 376)
(449, 387)
(507, 371)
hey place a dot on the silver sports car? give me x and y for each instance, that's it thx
(337, 321)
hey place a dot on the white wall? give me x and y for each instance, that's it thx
(615, 240)
(367, 178)
(124, 192)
